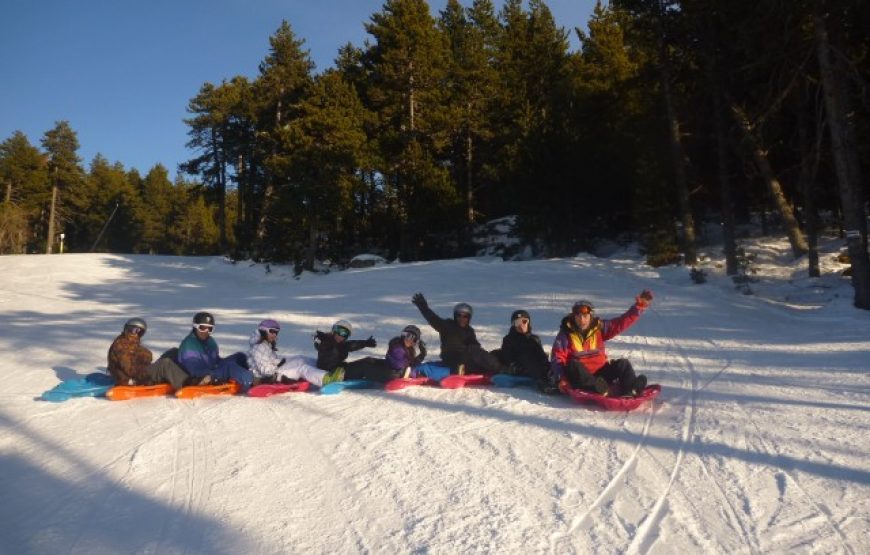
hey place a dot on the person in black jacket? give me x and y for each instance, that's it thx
(522, 350)
(333, 348)
(460, 349)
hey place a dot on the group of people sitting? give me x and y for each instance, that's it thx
(577, 360)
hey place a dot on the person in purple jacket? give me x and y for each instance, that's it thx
(404, 358)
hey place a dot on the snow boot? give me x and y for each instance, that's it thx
(336, 375)
(601, 387)
(638, 386)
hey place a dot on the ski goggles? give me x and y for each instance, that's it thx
(273, 331)
(523, 321)
(341, 332)
(462, 315)
(412, 336)
(136, 329)
(582, 309)
(205, 327)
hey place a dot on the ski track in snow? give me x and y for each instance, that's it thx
(712, 465)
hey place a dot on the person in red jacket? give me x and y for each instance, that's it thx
(578, 358)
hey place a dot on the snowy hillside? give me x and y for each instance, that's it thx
(759, 442)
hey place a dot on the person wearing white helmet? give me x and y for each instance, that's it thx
(460, 349)
(270, 367)
(333, 348)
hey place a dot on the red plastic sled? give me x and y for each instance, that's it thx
(456, 381)
(269, 389)
(615, 402)
(401, 383)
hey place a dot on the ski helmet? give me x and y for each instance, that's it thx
(269, 324)
(136, 324)
(203, 318)
(412, 332)
(342, 328)
(583, 307)
(517, 314)
(462, 308)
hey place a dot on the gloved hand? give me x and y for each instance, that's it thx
(370, 342)
(421, 355)
(419, 300)
(644, 298)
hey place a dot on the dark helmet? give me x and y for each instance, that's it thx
(412, 331)
(203, 318)
(136, 324)
(462, 308)
(517, 314)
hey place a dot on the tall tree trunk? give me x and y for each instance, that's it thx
(843, 149)
(786, 211)
(8, 191)
(52, 214)
(221, 186)
(269, 190)
(809, 164)
(728, 232)
(678, 154)
(312, 243)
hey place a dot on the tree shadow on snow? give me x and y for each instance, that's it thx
(93, 512)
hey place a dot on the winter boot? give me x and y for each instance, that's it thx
(547, 387)
(336, 375)
(638, 386)
(601, 386)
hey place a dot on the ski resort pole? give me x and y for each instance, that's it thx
(105, 225)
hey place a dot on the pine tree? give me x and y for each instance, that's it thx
(284, 80)
(406, 66)
(470, 86)
(25, 191)
(67, 180)
(326, 141)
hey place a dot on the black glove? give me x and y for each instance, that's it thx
(419, 300)
(281, 363)
(422, 354)
(370, 342)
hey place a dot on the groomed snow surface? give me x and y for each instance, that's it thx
(757, 444)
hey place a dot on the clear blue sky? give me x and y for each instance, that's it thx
(122, 71)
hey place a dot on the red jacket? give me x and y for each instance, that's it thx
(587, 348)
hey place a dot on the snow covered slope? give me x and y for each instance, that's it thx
(759, 442)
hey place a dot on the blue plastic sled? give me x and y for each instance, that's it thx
(507, 380)
(337, 387)
(92, 385)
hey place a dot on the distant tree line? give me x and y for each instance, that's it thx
(671, 113)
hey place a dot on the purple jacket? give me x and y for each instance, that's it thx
(400, 357)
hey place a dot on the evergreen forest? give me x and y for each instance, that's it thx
(670, 115)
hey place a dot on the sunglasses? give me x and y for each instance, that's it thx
(411, 336)
(205, 327)
(274, 331)
(342, 332)
(463, 315)
(582, 310)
